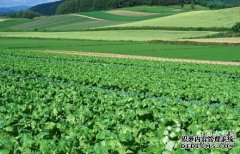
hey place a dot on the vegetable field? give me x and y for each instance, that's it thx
(59, 104)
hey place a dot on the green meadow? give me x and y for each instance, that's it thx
(165, 9)
(164, 49)
(223, 18)
(133, 35)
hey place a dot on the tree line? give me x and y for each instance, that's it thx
(24, 14)
(72, 6)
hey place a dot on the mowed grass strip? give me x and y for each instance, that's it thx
(127, 35)
(166, 50)
(224, 18)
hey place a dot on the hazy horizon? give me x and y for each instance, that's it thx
(11, 3)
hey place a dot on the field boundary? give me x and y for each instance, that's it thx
(109, 55)
(84, 16)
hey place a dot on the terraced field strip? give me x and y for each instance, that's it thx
(120, 35)
(84, 16)
(224, 40)
(142, 57)
(223, 18)
(130, 13)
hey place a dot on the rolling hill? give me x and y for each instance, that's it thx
(97, 19)
(47, 8)
(68, 22)
(209, 18)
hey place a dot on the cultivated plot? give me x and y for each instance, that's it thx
(54, 103)
(223, 18)
(134, 35)
(212, 52)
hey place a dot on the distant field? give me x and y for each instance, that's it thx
(229, 40)
(157, 11)
(6, 24)
(165, 9)
(62, 23)
(105, 15)
(210, 18)
(122, 12)
(167, 50)
(134, 35)
(95, 19)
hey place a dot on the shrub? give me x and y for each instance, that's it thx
(236, 27)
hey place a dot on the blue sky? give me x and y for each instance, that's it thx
(8, 3)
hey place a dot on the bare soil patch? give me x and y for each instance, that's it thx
(79, 15)
(129, 13)
(1, 20)
(142, 57)
(224, 40)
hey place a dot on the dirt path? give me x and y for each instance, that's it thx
(1, 20)
(224, 40)
(142, 57)
(79, 15)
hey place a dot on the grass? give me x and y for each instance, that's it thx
(224, 18)
(161, 11)
(63, 23)
(113, 17)
(76, 23)
(164, 9)
(133, 35)
(186, 51)
(7, 24)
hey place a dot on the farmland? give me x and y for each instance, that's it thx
(167, 50)
(85, 20)
(58, 23)
(131, 80)
(209, 18)
(170, 10)
(79, 91)
(133, 35)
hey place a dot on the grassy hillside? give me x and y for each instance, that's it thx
(95, 19)
(60, 23)
(165, 9)
(159, 11)
(210, 18)
(134, 35)
(6, 24)
(114, 17)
